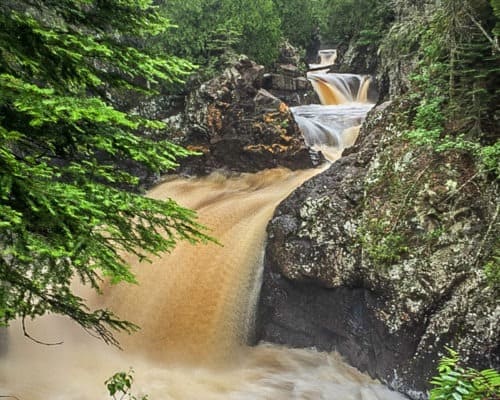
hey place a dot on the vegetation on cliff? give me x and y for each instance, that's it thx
(440, 165)
(454, 85)
(449, 120)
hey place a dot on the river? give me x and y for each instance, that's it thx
(196, 305)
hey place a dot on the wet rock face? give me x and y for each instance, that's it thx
(381, 258)
(287, 79)
(239, 126)
(360, 59)
(289, 84)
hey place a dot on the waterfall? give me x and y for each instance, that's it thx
(340, 88)
(333, 126)
(195, 306)
(327, 58)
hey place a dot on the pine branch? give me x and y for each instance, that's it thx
(25, 332)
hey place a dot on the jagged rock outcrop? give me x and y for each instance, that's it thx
(239, 126)
(287, 79)
(381, 258)
(239, 120)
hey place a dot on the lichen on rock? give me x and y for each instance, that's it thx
(402, 234)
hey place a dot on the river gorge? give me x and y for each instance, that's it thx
(196, 306)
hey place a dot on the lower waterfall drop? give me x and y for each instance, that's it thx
(334, 125)
(195, 309)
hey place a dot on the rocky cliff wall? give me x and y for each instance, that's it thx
(238, 125)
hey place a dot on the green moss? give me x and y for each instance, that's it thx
(492, 268)
(383, 246)
(434, 235)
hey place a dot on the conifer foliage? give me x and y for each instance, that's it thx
(62, 214)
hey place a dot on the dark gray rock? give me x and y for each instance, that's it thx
(342, 319)
(265, 101)
(287, 79)
(281, 82)
(380, 257)
(288, 55)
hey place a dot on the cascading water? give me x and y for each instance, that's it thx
(195, 308)
(335, 89)
(327, 58)
(334, 125)
(330, 129)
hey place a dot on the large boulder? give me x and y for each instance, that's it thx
(381, 258)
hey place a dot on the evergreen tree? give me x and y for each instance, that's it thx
(364, 21)
(62, 214)
(202, 34)
(299, 20)
(259, 24)
(207, 28)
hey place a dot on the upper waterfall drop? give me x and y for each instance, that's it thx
(326, 58)
(333, 125)
(335, 89)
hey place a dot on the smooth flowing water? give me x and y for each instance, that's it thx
(333, 125)
(196, 306)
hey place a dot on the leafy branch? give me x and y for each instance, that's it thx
(120, 385)
(458, 383)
